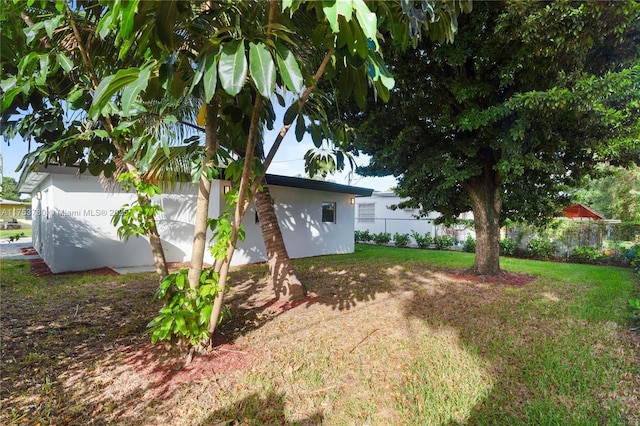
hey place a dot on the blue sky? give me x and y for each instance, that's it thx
(289, 161)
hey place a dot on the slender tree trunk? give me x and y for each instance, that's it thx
(152, 233)
(281, 274)
(159, 259)
(204, 194)
(244, 198)
(486, 203)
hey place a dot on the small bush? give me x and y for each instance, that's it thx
(443, 242)
(16, 237)
(363, 236)
(634, 306)
(469, 245)
(382, 238)
(507, 247)
(586, 254)
(422, 241)
(541, 249)
(401, 240)
(634, 256)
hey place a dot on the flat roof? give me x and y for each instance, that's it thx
(30, 180)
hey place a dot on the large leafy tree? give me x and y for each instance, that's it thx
(235, 57)
(53, 67)
(527, 101)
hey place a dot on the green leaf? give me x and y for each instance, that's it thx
(316, 135)
(289, 69)
(181, 325)
(330, 9)
(132, 90)
(367, 20)
(32, 31)
(360, 90)
(166, 16)
(127, 16)
(301, 128)
(104, 26)
(65, 62)
(232, 67)
(263, 70)
(205, 314)
(41, 78)
(8, 83)
(345, 8)
(101, 133)
(291, 113)
(109, 86)
(50, 25)
(210, 75)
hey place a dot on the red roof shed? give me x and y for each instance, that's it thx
(579, 211)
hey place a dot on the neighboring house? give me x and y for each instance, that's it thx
(581, 212)
(375, 215)
(10, 210)
(72, 215)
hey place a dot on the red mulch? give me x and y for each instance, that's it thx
(506, 278)
(167, 369)
(28, 251)
(40, 269)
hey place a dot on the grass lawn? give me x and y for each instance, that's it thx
(6, 233)
(392, 338)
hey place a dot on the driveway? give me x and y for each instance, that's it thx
(13, 251)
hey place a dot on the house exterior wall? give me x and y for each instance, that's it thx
(72, 228)
(299, 213)
(402, 221)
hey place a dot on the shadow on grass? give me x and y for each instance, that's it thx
(546, 367)
(259, 410)
(341, 286)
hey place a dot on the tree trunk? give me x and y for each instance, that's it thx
(281, 274)
(157, 250)
(204, 194)
(484, 191)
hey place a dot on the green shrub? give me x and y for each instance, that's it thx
(422, 241)
(443, 242)
(634, 306)
(541, 248)
(507, 247)
(16, 237)
(363, 236)
(187, 312)
(382, 238)
(586, 254)
(634, 256)
(401, 240)
(469, 245)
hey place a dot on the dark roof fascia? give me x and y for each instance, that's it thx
(292, 182)
(316, 185)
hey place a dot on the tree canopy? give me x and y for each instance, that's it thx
(9, 189)
(115, 64)
(527, 101)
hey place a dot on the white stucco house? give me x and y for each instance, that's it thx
(373, 213)
(72, 212)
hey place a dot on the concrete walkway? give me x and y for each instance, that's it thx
(13, 251)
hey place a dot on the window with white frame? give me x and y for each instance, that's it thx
(329, 211)
(367, 212)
